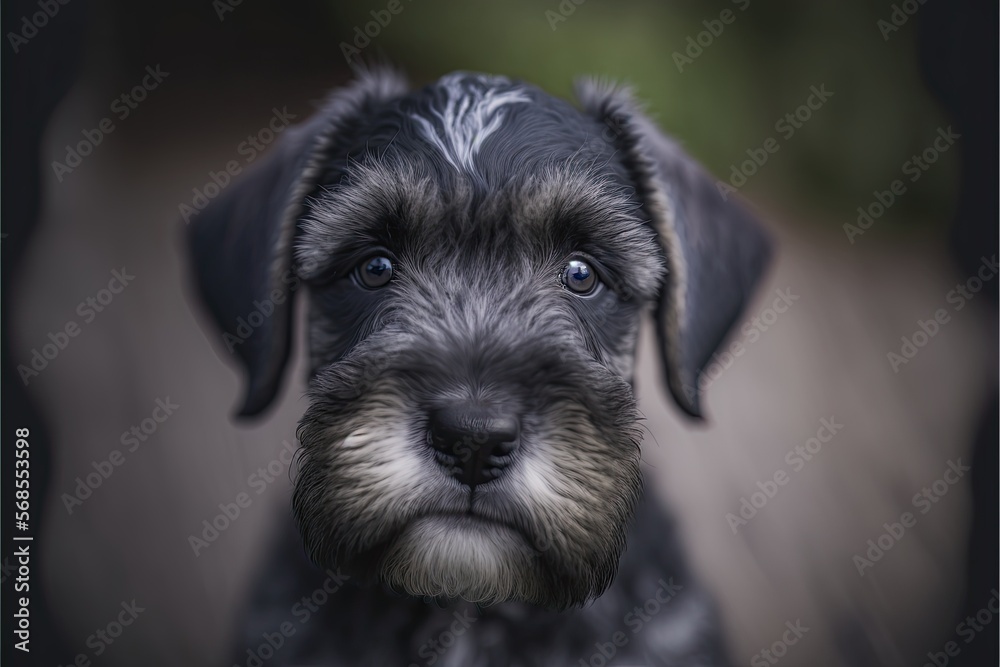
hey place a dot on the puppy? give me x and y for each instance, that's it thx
(477, 256)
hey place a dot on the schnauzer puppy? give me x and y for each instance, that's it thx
(477, 256)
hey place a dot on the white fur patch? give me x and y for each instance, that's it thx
(470, 115)
(378, 455)
(460, 557)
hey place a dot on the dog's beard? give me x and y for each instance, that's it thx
(462, 556)
(371, 499)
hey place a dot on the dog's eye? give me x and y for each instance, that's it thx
(375, 271)
(579, 277)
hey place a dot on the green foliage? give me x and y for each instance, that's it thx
(728, 98)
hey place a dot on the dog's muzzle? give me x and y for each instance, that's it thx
(473, 443)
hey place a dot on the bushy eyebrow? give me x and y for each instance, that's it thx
(565, 207)
(591, 212)
(373, 202)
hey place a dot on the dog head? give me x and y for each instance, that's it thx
(477, 256)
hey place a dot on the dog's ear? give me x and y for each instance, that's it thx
(715, 249)
(241, 244)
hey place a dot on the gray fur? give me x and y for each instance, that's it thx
(480, 191)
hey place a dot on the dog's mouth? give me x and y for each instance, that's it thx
(373, 499)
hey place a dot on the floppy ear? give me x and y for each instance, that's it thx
(241, 244)
(715, 249)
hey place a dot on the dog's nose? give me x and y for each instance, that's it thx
(473, 443)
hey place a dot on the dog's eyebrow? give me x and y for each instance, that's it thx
(373, 202)
(569, 207)
(580, 210)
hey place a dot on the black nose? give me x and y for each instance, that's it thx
(473, 443)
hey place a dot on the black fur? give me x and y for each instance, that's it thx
(480, 191)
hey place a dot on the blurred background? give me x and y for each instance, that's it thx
(855, 95)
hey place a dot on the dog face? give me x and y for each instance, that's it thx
(477, 256)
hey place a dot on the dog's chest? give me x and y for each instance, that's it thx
(608, 634)
(510, 634)
(653, 614)
(618, 630)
